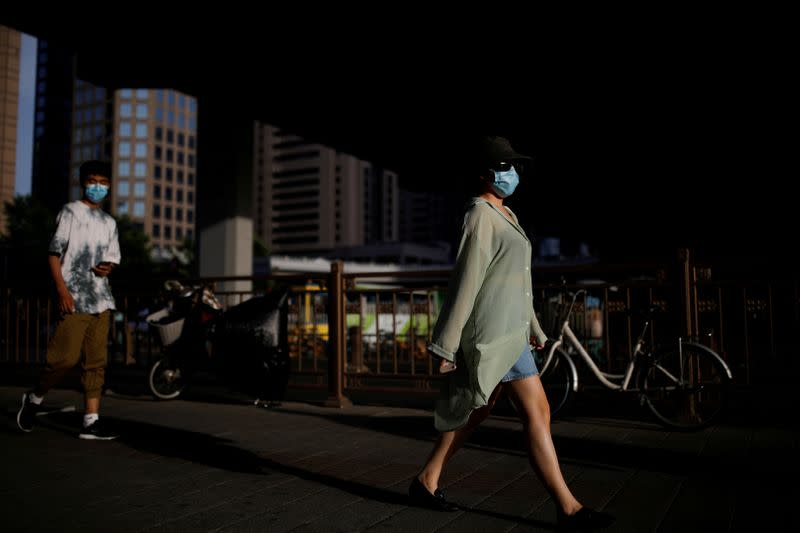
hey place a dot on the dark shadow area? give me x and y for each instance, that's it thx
(221, 453)
(570, 449)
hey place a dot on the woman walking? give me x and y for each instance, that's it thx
(482, 338)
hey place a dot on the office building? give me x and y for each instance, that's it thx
(311, 199)
(10, 41)
(150, 137)
(52, 138)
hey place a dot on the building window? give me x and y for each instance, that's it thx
(181, 120)
(157, 171)
(141, 150)
(141, 131)
(189, 216)
(170, 118)
(179, 233)
(171, 97)
(98, 113)
(190, 197)
(125, 110)
(192, 105)
(141, 94)
(192, 124)
(181, 101)
(180, 176)
(140, 169)
(189, 233)
(141, 111)
(125, 93)
(169, 174)
(122, 208)
(170, 136)
(179, 214)
(159, 114)
(168, 193)
(139, 189)
(191, 141)
(156, 210)
(122, 188)
(138, 209)
(168, 212)
(167, 232)
(159, 95)
(123, 168)
(156, 191)
(179, 195)
(124, 149)
(191, 160)
(157, 153)
(170, 155)
(190, 178)
(125, 129)
(180, 157)
(181, 139)
(156, 230)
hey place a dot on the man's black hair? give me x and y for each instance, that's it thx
(95, 168)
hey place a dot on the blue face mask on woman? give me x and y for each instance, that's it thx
(96, 192)
(505, 182)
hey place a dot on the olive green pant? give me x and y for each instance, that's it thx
(76, 333)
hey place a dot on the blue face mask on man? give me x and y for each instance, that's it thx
(96, 192)
(505, 182)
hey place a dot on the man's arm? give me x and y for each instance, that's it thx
(66, 304)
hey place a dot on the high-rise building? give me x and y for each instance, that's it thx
(309, 198)
(381, 206)
(427, 217)
(52, 137)
(150, 137)
(10, 41)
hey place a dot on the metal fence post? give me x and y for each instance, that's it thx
(686, 291)
(337, 337)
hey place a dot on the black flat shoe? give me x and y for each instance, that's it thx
(419, 496)
(584, 520)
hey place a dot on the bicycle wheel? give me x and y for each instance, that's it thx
(686, 388)
(558, 380)
(165, 379)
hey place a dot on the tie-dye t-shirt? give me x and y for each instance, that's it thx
(85, 237)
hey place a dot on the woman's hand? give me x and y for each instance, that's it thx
(537, 345)
(446, 366)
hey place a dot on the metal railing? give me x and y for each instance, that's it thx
(368, 333)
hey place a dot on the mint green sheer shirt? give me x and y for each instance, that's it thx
(487, 317)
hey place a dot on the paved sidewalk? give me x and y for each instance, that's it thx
(211, 465)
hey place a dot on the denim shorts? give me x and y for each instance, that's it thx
(523, 368)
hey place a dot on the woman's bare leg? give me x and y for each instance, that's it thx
(531, 402)
(449, 443)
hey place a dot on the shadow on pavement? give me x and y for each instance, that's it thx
(570, 449)
(221, 453)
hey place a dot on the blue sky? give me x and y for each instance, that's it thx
(27, 93)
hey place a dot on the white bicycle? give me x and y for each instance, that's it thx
(684, 386)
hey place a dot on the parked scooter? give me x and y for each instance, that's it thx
(246, 345)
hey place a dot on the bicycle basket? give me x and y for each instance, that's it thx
(168, 331)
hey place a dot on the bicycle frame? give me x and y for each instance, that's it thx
(567, 335)
(684, 396)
